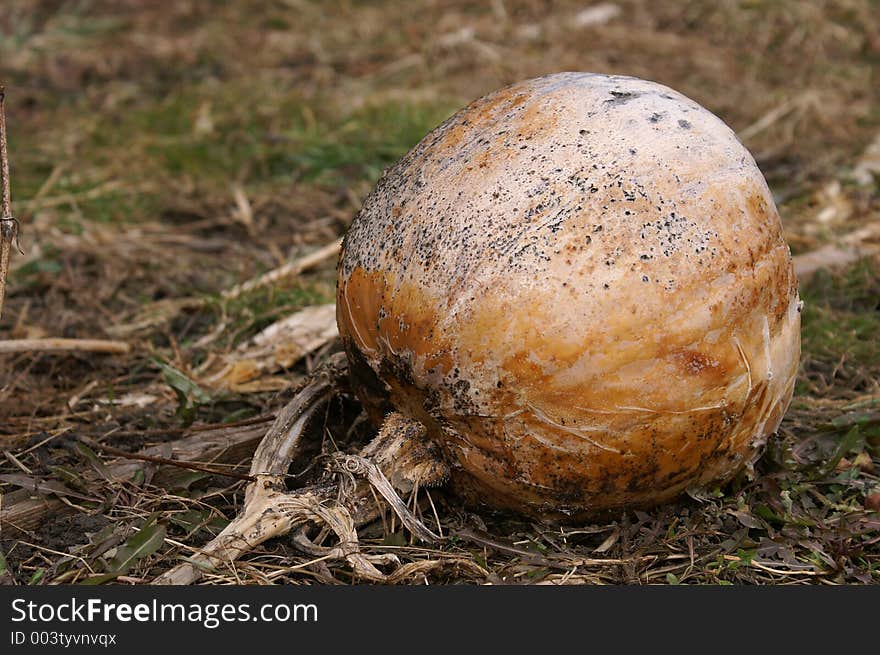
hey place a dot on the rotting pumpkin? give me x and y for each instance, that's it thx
(579, 285)
(572, 297)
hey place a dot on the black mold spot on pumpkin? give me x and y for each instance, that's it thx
(621, 97)
(683, 124)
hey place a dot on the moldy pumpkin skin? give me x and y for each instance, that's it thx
(580, 285)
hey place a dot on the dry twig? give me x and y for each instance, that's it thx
(163, 311)
(288, 270)
(192, 466)
(8, 224)
(52, 344)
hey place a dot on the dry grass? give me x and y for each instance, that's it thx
(164, 152)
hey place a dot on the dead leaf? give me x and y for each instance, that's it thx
(746, 518)
(244, 370)
(276, 348)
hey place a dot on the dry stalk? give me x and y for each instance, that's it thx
(339, 502)
(61, 345)
(152, 459)
(288, 270)
(163, 311)
(8, 224)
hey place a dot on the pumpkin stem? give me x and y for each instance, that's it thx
(399, 460)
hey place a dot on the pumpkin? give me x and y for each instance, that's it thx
(579, 285)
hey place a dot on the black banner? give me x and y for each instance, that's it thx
(365, 618)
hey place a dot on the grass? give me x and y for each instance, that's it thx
(205, 138)
(283, 141)
(148, 157)
(840, 328)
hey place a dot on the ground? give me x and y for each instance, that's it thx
(162, 153)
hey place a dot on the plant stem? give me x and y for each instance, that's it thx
(164, 460)
(8, 225)
(53, 344)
